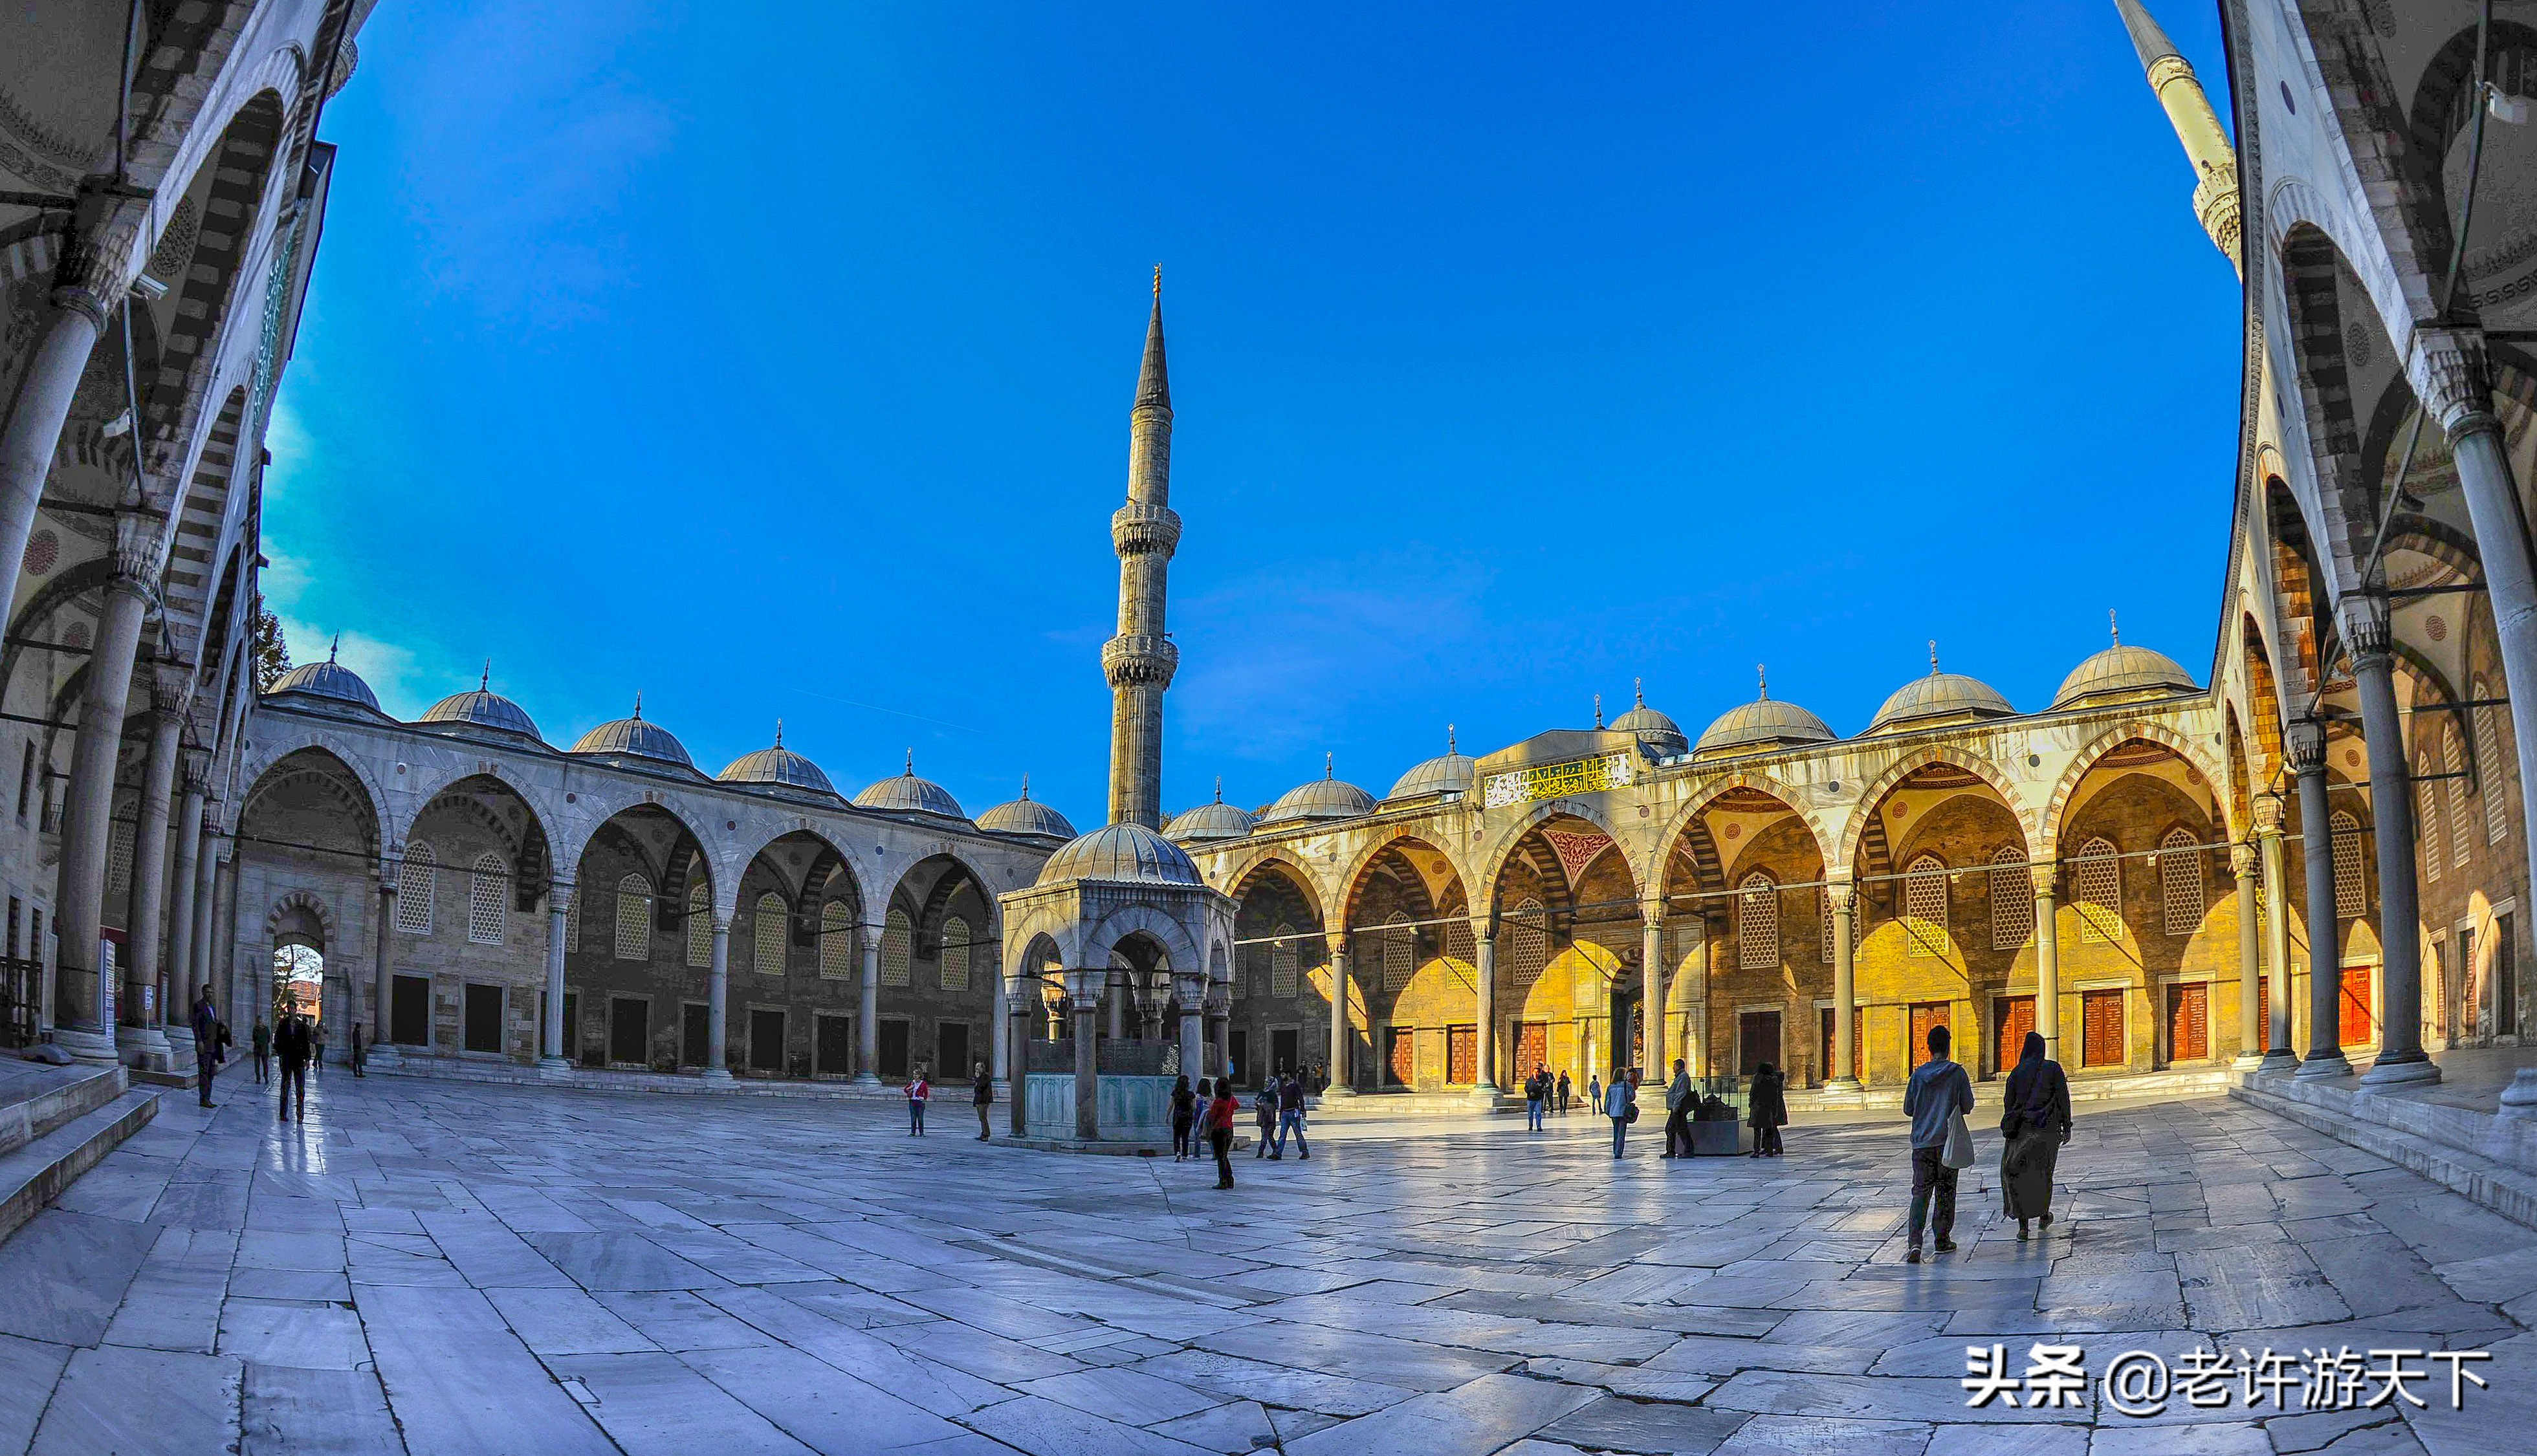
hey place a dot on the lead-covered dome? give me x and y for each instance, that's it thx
(1209, 822)
(327, 679)
(910, 794)
(1121, 851)
(1764, 723)
(483, 708)
(1450, 772)
(1939, 698)
(632, 738)
(1025, 815)
(777, 765)
(2119, 672)
(1661, 732)
(1325, 798)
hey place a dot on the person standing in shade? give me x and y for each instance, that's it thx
(316, 1042)
(1264, 1120)
(1680, 1100)
(2035, 1122)
(1938, 1092)
(207, 1044)
(1766, 1108)
(1290, 1116)
(1219, 1129)
(354, 1053)
(261, 1042)
(1535, 1088)
(982, 1096)
(1184, 1120)
(918, 1090)
(1563, 1091)
(1621, 1105)
(291, 1044)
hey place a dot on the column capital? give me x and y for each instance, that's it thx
(2446, 368)
(2269, 815)
(2365, 625)
(2046, 878)
(2242, 859)
(195, 768)
(1651, 910)
(2304, 744)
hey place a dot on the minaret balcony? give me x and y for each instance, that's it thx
(1137, 530)
(1131, 660)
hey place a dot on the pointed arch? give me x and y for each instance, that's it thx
(1671, 839)
(1872, 797)
(1511, 838)
(2215, 777)
(1351, 879)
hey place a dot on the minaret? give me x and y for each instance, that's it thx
(1140, 659)
(2188, 110)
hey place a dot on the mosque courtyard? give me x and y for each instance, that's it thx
(433, 1267)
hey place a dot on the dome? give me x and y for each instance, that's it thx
(1940, 695)
(1325, 798)
(1647, 723)
(908, 793)
(1763, 722)
(1215, 821)
(1452, 772)
(2123, 671)
(632, 738)
(777, 765)
(328, 679)
(1121, 851)
(483, 708)
(1025, 815)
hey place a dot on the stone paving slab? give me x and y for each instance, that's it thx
(432, 1267)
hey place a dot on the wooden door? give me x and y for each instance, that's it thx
(1281, 1052)
(2355, 1027)
(1461, 1055)
(766, 1040)
(1858, 1044)
(2014, 1016)
(1399, 1066)
(833, 1047)
(629, 1030)
(695, 1035)
(2101, 1029)
(2263, 1012)
(2188, 1022)
(1925, 1015)
(1532, 1049)
(1757, 1041)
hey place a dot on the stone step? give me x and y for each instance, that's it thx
(35, 1174)
(37, 1097)
(2489, 1159)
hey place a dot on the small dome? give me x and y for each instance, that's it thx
(1647, 723)
(328, 679)
(632, 738)
(1121, 851)
(908, 793)
(777, 765)
(1209, 822)
(1452, 772)
(483, 708)
(1762, 723)
(1325, 798)
(2120, 671)
(1940, 695)
(1025, 815)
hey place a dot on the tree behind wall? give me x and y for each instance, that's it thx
(271, 654)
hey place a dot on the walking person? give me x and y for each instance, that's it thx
(358, 1061)
(982, 1096)
(316, 1042)
(1184, 1120)
(1939, 1093)
(1219, 1129)
(262, 1040)
(1263, 1118)
(1535, 1088)
(918, 1090)
(1594, 1091)
(1621, 1105)
(1563, 1091)
(1290, 1116)
(1766, 1110)
(291, 1045)
(2035, 1122)
(1680, 1101)
(207, 1044)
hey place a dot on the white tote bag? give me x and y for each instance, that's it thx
(1958, 1151)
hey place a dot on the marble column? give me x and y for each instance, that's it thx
(1651, 989)
(143, 1039)
(1022, 999)
(868, 1007)
(1484, 947)
(1086, 992)
(1219, 1020)
(2367, 636)
(2251, 962)
(1192, 1031)
(1000, 1065)
(2048, 957)
(41, 402)
(199, 970)
(225, 915)
(559, 909)
(1342, 1083)
(2279, 1054)
(1843, 895)
(383, 1047)
(2307, 753)
(1118, 993)
(83, 998)
(181, 913)
(718, 1001)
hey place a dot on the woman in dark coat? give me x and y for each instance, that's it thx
(1184, 1120)
(1766, 1110)
(2034, 1124)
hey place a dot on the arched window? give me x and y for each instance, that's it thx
(897, 946)
(1528, 942)
(766, 933)
(2426, 800)
(634, 919)
(414, 889)
(2351, 891)
(486, 889)
(2012, 899)
(1757, 922)
(698, 923)
(2487, 766)
(1284, 953)
(1400, 952)
(836, 941)
(956, 954)
(118, 860)
(2179, 881)
(1458, 942)
(1924, 907)
(2454, 764)
(2099, 878)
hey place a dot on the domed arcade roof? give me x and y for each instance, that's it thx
(1325, 798)
(327, 679)
(1452, 772)
(2120, 671)
(1761, 724)
(482, 708)
(777, 765)
(1926, 701)
(1647, 723)
(1121, 851)
(632, 738)
(908, 793)
(1209, 822)
(1025, 815)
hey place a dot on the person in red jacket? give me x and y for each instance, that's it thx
(918, 1090)
(1219, 1129)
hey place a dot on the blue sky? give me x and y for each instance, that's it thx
(780, 367)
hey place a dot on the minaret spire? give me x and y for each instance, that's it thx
(2197, 126)
(1140, 659)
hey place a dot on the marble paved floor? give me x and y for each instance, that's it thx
(439, 1268)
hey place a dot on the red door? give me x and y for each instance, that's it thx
(1463, 1054)
(1531, 1047)
(2188, 1022)
(2100, 1019)
(2263, 1012)
(2016, 1017)
(1925, 1015)
(2355, 1027)
(1402, 1041)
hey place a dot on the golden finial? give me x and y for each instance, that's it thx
(1761, 675)
(2113, 626)
(1639, 691)
(1158, 282)
(1933, 656)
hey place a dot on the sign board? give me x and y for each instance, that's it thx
(110, 983)
(1559, 779)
